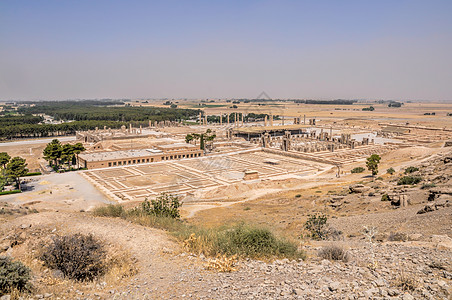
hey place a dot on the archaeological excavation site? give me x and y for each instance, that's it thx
(282, 201)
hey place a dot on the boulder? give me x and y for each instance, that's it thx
(442, 241)
(358, 188)
(426, 209)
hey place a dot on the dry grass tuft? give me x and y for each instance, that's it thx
(222, 263)
(407, 282)
(397, 237)
(334, 253)
(120, 265)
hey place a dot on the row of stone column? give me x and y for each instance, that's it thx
(239, 120)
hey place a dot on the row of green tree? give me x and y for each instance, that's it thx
(82, 111)
(11, 170)
(46, 130)
(9, 120)
(59, 155)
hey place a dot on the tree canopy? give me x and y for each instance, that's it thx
(16, 168)
(4, 159)
(372, 163)
(57, 154)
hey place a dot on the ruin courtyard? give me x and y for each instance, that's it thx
(133, 164)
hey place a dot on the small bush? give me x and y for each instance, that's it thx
(253, 242)
(316, 225)
(242, 240)
(165, 205)
(357, 170)
(385, 197)
(79, 257)
(379, 178)
(410, 170)
(334, 253)
(397, 237)
(406, 282)
(409, 180)
(428, 186)
(13, 275)
(115, 211)
(390, 171)
(297, 195)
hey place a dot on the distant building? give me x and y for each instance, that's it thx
(107, 159)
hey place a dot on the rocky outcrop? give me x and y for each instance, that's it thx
(358, 188)
(440, 202)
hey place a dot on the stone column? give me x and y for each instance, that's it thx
(221, 119)
(205, 120)
(271, 120)
(228, 118)
(265, 121)
(200, 119)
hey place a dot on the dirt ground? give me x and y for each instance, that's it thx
(63, 192)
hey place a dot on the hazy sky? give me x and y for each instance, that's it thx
(210, 49)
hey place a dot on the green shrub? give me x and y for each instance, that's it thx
(165, 205)
(13, 275)
(385, 197)
(428, 186)
(334, 253)
(297, 195)
(390, 171)
(410, 170)
(79, 257)
(316, 225)
(358, 170)
(10, 192)
(110, 210)
(241, 239)
(379, 178)
(409, 180)
(250, 241)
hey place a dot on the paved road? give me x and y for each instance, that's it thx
(37, 141)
